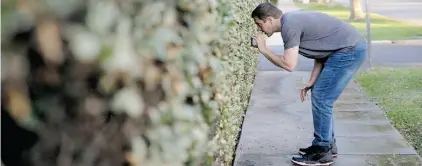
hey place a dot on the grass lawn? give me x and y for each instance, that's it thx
(399, 92)
(382, 28)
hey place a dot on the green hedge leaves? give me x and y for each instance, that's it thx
(138, 82)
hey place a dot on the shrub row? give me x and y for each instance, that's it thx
(106, 82)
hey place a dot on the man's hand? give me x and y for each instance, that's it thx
(304, 91)
(262, 46)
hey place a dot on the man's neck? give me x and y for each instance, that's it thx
(278, 24)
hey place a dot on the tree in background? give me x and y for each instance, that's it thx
(356, 12)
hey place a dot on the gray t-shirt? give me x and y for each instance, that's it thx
(317, 34)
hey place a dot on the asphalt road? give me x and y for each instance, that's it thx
(394, 55)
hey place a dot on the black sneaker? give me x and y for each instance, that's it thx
(312, 149)
(308, 150)
(322, 156)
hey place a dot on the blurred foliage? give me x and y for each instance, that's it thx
(113, 82)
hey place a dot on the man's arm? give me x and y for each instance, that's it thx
(315, 72)
(314, 75)
(291, 35)
(288, 61)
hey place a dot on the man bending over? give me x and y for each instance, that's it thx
(338, 50)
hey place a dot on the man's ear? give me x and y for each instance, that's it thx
(270, 19)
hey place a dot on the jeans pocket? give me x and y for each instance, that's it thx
(341, 59)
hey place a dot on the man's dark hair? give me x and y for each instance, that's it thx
(265, 10)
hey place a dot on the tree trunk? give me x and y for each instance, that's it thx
(356, 12)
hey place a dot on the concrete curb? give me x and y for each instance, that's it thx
(414, 41)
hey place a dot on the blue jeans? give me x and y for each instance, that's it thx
(338, 70)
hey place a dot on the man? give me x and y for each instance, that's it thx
(338, 50)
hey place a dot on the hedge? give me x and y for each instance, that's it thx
(239, 79)
(105, 82)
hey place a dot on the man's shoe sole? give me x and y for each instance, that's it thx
(303, 153)
(316, 164)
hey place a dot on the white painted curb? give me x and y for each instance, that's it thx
(382, 42)
(416, 41)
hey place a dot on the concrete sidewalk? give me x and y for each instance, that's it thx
(277, 124)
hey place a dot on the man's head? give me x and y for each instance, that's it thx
(267, 18)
